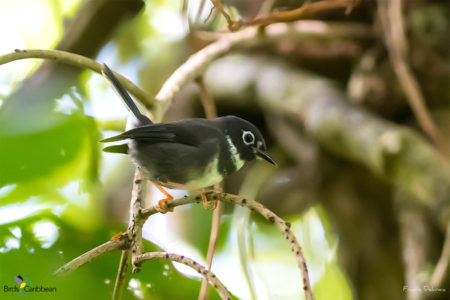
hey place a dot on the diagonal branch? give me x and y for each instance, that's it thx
(83, 259)
(121, 275)
(221, 289)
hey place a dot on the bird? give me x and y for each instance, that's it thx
(191, 154)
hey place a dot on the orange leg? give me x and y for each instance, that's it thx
(163, 202)
(117, 236)
(206, 204)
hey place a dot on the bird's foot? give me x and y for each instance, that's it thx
(117, 236)
(210, 205)
(162, 204)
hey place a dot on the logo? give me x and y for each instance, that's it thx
(23, 286)
(22, 283)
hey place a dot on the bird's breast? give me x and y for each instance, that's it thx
(209, 176)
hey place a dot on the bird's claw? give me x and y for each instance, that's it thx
(162, 205)
(210, 205)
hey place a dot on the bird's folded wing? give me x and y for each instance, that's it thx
(155, 133)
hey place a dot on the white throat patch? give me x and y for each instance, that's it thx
(237, 161)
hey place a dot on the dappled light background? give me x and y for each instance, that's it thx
(61, 196)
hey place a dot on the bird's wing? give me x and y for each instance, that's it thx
(158, 133)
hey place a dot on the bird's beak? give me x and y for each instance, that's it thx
(265, 156)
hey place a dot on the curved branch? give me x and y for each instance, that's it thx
(78, 61)
(83, 259)
(283, 227)
(221, 289)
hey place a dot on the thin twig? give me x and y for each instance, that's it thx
(215, 221)
(391, 16)
(78, 61)
(221, 289)
(306, 10)
(121, 275)
(211, 113)
(81, 260)
(232, 25)
(134, 233)
(442, 265)
(283, 227)
(207, 100)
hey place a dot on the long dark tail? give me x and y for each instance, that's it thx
(122, 92)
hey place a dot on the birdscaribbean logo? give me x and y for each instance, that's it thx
(23, 286)
(22, 283)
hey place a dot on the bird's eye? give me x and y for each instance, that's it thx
(248, 137)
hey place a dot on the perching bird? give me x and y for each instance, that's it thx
(190, 154)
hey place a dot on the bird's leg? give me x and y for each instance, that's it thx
(206, 204)
(117, 236)
(163, 202)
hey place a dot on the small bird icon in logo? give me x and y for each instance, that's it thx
(20, 282)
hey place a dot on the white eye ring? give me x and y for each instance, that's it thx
(248, 138)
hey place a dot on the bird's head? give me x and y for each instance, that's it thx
(244, 139)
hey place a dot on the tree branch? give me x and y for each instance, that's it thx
(81, 260)
(135, 223)
(78, 61)
(121, 275)
(391, 16)
(307, 9)
(221, 289)
(283, 227)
